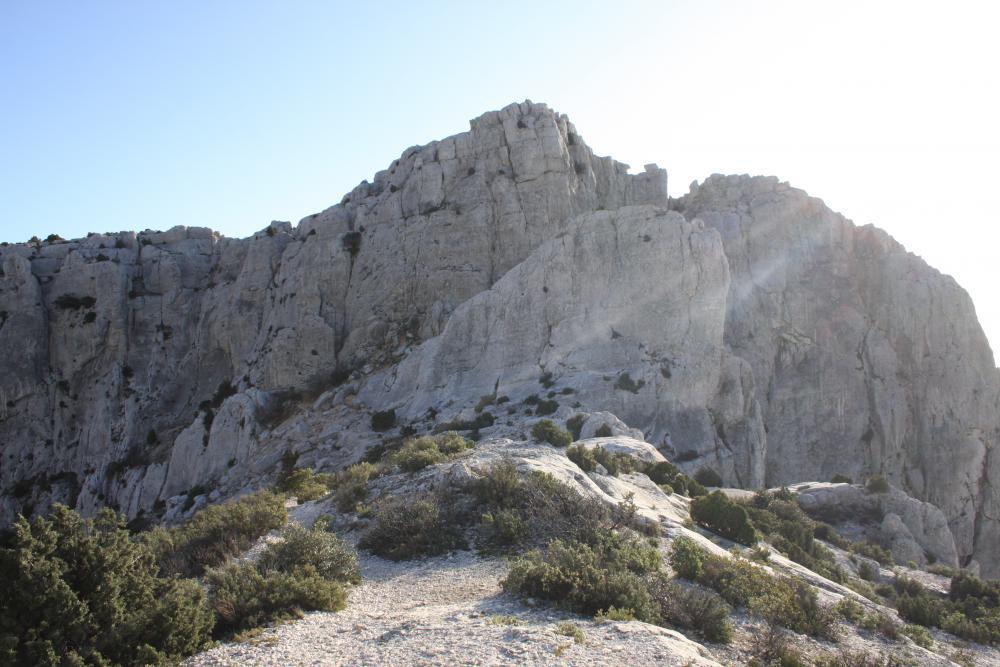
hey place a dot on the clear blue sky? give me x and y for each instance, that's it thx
(134, 115)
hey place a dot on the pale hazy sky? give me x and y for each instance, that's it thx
(127, 115)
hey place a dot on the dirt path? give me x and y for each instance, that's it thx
(450, 611)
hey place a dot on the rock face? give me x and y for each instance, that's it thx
(866, 360)
(912, 530)
(744, 327)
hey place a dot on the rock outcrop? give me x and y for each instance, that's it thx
(744, 327)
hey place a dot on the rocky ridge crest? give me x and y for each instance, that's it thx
(744, 327)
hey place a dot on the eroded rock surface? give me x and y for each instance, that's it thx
(745, 327)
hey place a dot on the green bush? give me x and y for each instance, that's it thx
(546, 407)
(603, 431)
(244, 597)
(841, 479)
(326, 553)
(867, 571)
(850, 610)
(737, 580)
(533, 509)
(575, 425)
(687, 558)
(351, 485)
(418, 453)
(626, 383)
(688, 487)
(414, 525)
(692, 608)
(723, 516)
(919, 635)
(873, 551)
(216, 533)
(572, 630)
(588, 579)
(583, 457)
(545, 430)
(615, 463)
(883, 624)
(306, 484)
(708, 477)
(82, 592)
(384, 420)
(662, 472)
(877, 484)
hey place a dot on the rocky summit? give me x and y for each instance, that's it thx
(520, 364)
(743, 328)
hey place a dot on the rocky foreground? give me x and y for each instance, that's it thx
(451, 610)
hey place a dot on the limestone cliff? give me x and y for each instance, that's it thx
(744, 327)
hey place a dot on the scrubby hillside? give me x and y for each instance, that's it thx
(743, 328)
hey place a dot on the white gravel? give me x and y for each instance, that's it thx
(444, 611)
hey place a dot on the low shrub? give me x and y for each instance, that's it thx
(884, 624)
(874, 551)
(243, 597)
(568, 629)
(841, 479)
(583, 457)
(482, 420)
(418, 453)
(546, 407)
(545, 430)
(626, 383)
(612, 614)
(80, 591)
(692, 608)
(689, 487)
(306, 484)
(603, 431)
(533, 509)
(725, 517)
(792, 603)
(216, 533)
(687, 558)
(850, 610)
(587, 578)
(575, 425)
(942, 570)
(317, 548)
(351, 485)
(877, 484)
(919, 635)
(414, 525)
(867, 571)
(383, 421)
(614, 463)
(708, 477)
(779, 600)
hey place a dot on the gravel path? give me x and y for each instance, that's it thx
(448, 611)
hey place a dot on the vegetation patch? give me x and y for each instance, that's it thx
(877, 484)
(305, 484)
(575, 425)
(414, 525)
(383, 421)
(626, 383)
(216, 533)
(545, 430)
(80, 591)
(351, 485)
(778, 600)
(792, 532)
(418, 453)
(724, 517)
